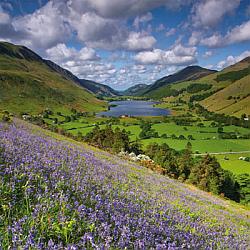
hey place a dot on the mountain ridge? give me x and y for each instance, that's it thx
(30, 84)
(94, 87)
(135, 90)
(186, 74)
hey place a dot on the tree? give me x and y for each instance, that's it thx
(147, 131)
(243, 116)
(173, 136)
(136, 147)
(230, 187)
(79, 136)
(182, 137)
(165, 136)
(67, 119)
(185, 162)
(201, 125)
(244, 187)
(5, 118)
(189, 147)
(190, 137)
(213, 124)
(220, 130)
(107, 138)
(207, 175)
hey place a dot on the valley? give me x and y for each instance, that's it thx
(85, 165)
(202, 134)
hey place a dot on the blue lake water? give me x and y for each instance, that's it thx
(134, 108)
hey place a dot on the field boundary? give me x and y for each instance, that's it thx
(221, 153)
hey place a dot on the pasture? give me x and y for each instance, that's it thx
(205, 138)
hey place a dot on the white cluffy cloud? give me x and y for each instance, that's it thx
(57, 21)
(142, 19)
(170, 32)
(208, 13)
(61, 53)
(207, 54)
(84, 63)
(238, 34)
(230, 60)
(117, 9)
(177, 55)
(45, 28)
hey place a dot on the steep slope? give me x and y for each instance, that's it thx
(234, 99)
(30, 84)
(187, 74)
(71, 195)
(94, 87)
(136, 90)
(226, 91)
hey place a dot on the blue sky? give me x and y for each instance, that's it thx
(123, 43)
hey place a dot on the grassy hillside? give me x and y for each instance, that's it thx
(229, 90)
(28, 84)
(161, 87)
(234, 99)
(67, 195)
(136, 90)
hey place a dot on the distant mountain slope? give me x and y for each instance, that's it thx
(30, 84)
(186, 74)
(234, 99)
(98, 89)
(136, 90)
(94, 87)
(227, 91)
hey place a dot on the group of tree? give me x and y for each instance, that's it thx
(147, 131)
(6, 117)
(220, 118)
(197, 87)
(112, 140)
(233, 75)
(203, 172)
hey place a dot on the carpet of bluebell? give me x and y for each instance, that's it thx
(57, 194)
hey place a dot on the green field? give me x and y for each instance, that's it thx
(234, 164)
(206, 139)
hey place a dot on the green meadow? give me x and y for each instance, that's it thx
(205, 139)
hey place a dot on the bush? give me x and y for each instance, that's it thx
(5, 118)
(197, 87)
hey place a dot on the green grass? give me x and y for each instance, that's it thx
(233, 163)
(205, 146)
(200, 145)
(206, 138)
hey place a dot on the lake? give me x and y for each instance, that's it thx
(134, 108)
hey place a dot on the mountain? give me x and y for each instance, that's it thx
(32, 84)
(226, 91)
(187, 74)
(157, 89)
(94, 87)
(234, 97)
(135, 90)
(98, 89)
